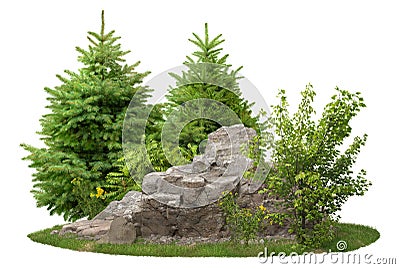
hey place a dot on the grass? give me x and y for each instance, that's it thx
(354, 235)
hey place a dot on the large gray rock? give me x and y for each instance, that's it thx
(196, 185)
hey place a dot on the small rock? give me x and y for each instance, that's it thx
(121, 232)
(164, 239)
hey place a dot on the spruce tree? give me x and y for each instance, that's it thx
(82, 133)
(208, 77)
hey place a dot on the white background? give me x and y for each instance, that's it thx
(281, 44)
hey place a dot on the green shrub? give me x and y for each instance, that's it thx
(310, 173)
(85, 204)
(243, 223)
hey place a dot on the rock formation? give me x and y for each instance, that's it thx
(182, 202)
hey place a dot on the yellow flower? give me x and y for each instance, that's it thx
(100, 192)
(262, 207)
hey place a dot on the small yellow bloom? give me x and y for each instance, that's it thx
(262, 207)
(100, 192)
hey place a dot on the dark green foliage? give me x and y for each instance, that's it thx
(309, 171)
(82, 133)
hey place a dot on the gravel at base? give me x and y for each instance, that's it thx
(154, 239)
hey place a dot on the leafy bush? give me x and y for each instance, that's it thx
(309, 171)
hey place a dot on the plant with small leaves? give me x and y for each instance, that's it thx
(309, 172)
(85, 203)
(243, 223)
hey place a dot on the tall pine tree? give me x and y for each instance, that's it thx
(82, 133)
(208, 77)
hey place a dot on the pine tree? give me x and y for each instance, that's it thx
(208, 77)
(82, 133)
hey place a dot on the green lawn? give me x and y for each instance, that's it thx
(354, 235)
